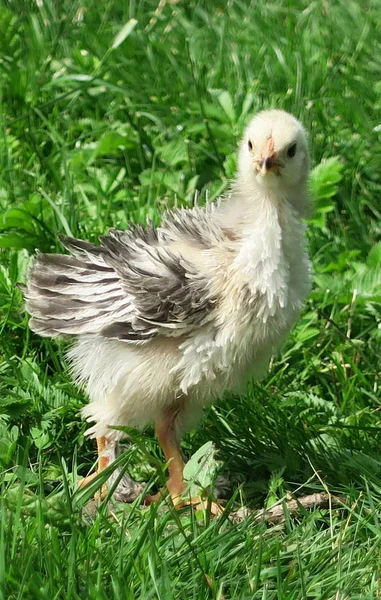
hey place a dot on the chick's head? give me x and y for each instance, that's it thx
(274, 153)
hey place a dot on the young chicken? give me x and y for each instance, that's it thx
(167, 318)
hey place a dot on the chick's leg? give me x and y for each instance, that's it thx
(168, 438)
(103, 462)
(124, 488)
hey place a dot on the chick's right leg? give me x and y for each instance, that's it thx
(127, 490)
(103, 463)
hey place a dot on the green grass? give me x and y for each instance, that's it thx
(97, 130)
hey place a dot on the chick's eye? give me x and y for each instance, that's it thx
(250, 145)
(291, 150)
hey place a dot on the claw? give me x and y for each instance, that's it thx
(179, 501)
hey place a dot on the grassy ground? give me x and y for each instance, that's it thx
(102, 123)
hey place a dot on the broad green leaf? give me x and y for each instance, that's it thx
(17, 218)
(173, 153)
(226, 102)
(247, 104)
(200, 471)
(374, 256)
(5, 281)
(324, 181)
(110, 143)
(40, 438)
(230, 166)
(18, 240)
(306, 334)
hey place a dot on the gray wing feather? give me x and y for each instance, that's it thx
(131, 287)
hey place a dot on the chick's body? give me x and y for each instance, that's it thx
(254, 299)
(177, 314)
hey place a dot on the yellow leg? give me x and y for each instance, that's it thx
(103, 462)
(167, 438)
(169, 442)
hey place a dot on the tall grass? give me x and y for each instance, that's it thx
(109, 113)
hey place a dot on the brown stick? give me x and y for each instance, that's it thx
(276, 514)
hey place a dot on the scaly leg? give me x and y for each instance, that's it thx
(127, 490)
(103, 462)
(170, 444)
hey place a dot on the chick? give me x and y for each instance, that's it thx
(167, 318)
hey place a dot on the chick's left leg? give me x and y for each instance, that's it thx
(167, 432)
(168, 438)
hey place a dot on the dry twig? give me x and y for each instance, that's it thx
(276, 514)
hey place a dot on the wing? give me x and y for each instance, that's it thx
(132, 287)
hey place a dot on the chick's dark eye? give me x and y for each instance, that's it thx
(250, 145)
(292, 150)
